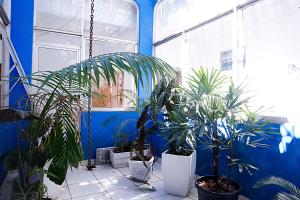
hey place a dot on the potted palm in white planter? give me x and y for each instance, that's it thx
(220, 115)
(140, 164)
(181, 149)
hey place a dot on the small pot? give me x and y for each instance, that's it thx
(205, 194)
(138, 170)
(119, 160)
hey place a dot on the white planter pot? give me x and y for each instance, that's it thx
(119, 160)
(178, 173)
(139, 171)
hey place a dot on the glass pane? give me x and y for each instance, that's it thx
(207, 42)
(57, 38)
(173, 16)
(113, 18)
(102, 47)
(272, 47)
(57, 14)
(51, 59)
(172, 52)
(112, 96)
(109, 96)
(169, 18)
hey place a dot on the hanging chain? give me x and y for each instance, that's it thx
(89, 166)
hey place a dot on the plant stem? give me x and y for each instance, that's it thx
(229, 165)
(215, 154)
(142, 136)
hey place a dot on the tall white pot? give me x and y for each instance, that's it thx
(178, 173)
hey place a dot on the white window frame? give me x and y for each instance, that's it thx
(85, 36)
(38, 45)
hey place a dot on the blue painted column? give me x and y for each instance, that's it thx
(145, 36)
(22, 13)
(22, 36)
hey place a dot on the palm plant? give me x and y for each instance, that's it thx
(29, 159)
(294, 191)
(217, 112)
(58, 97)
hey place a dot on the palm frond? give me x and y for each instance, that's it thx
(105, 67)
(293, 189)
(285, 196)
(59, 95)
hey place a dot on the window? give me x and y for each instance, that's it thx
(61, 38)
(226, 60)
(249, 39)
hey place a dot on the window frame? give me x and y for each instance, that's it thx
(83, 36)
(224, 59)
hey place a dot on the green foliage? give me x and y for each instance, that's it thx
(215, 111)
(21, 191)
(176, 128)
(294, 191)
(148, 121)
(59, 96)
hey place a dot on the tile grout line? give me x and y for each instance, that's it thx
(68, 188)
(106, 192)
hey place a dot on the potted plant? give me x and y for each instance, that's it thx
(57, 97)
(220, 117)
(120, 153)
(125, 133)
(28, 160)
(181, 148)
(139, 163)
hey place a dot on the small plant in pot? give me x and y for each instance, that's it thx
(124, 136)
(121, 152)
(177, 130)
(147, 124)
(221, 119)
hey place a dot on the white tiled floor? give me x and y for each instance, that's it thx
(106, 183)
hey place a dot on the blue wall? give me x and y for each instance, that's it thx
(102, 136)
(9, 132)
(21, 36)
(269, 161)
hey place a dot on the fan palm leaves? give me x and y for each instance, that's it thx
(216, 110)
(294, 191)
(58, 96)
